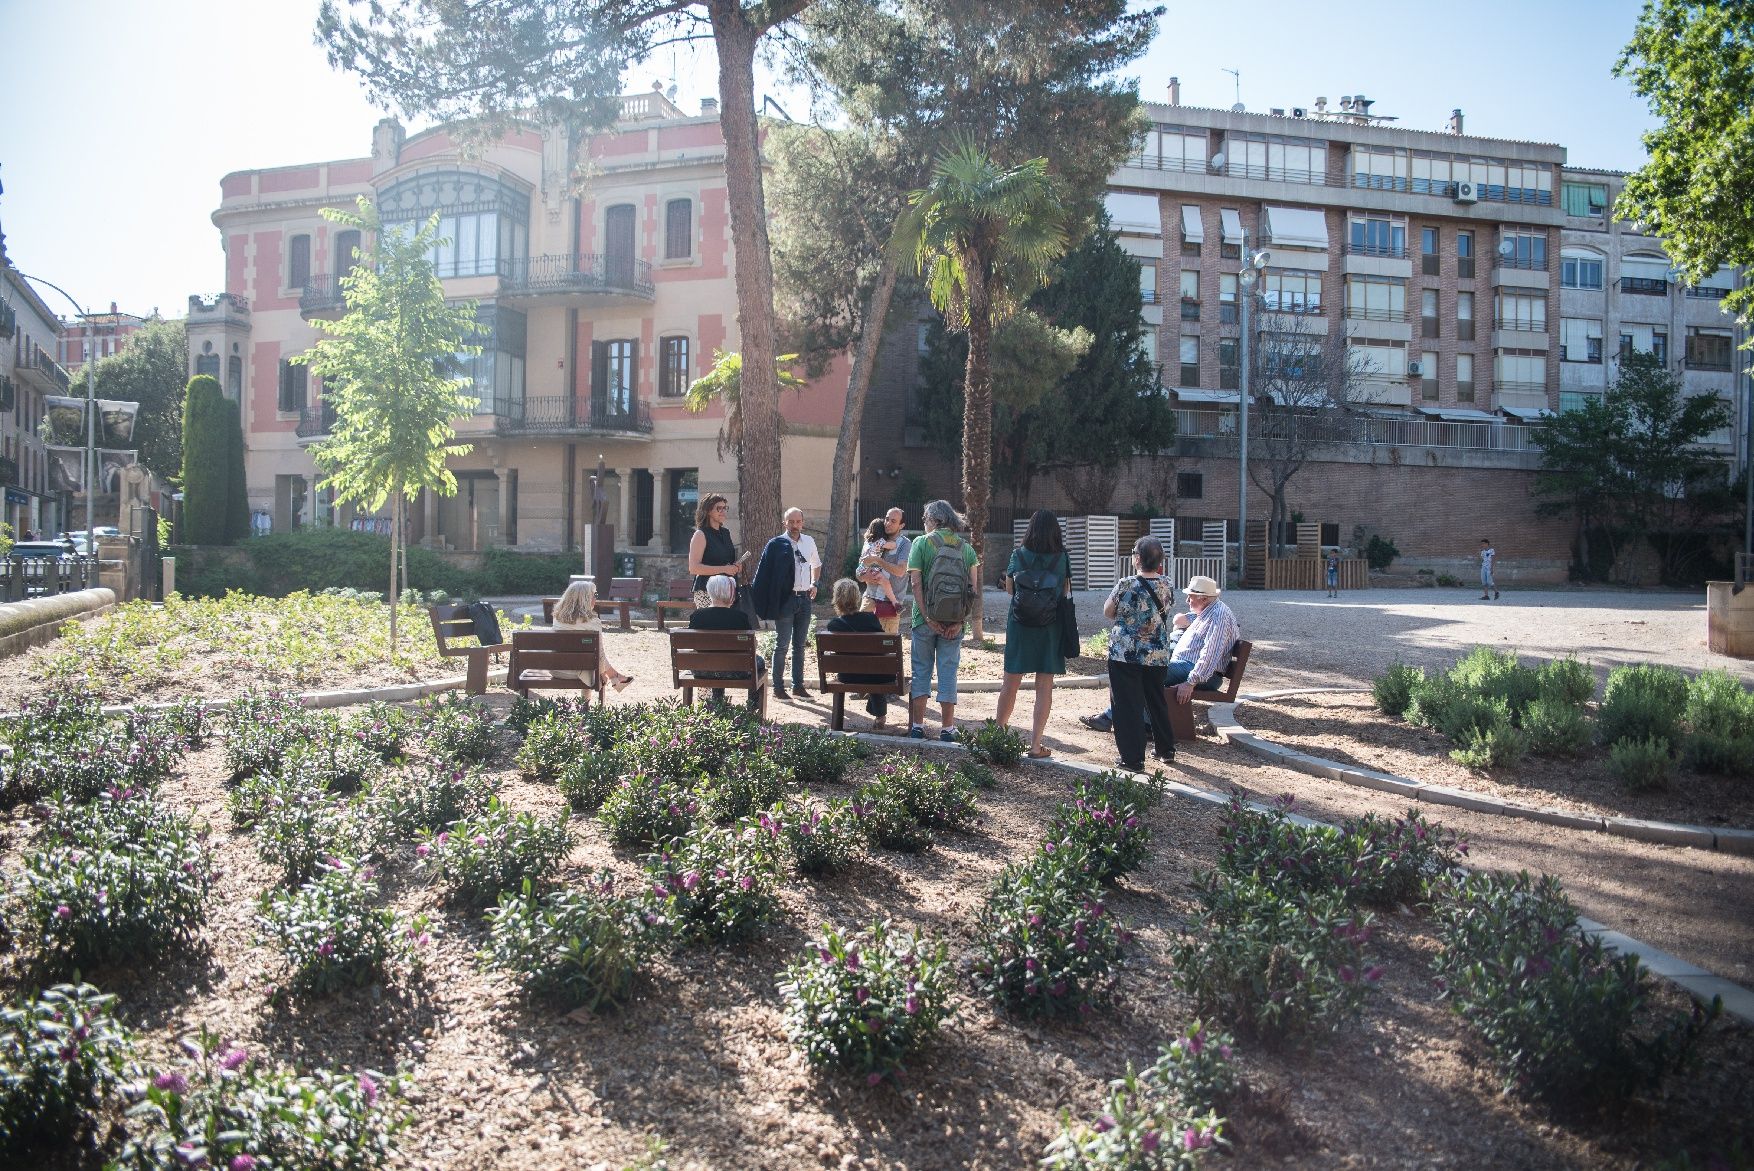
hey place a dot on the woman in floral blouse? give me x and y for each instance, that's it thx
(1141, 608)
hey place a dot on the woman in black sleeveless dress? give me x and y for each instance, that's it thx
(711, 550)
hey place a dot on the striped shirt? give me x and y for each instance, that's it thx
(1207, 641)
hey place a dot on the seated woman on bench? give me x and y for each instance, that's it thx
(723, 614)
(577, 610)
(849, 619)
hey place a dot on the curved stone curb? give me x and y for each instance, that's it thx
(1695, 981)
(394, 693)
(1667, 833)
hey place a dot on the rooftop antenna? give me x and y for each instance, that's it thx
(1236, 75)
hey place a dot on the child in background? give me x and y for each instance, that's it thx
(1334, 572)
(877, 543)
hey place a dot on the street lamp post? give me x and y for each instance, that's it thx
(89, 464)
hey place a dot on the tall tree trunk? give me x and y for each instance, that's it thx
(977, 421)
(758, 477)
(841, 522)
(395, 547)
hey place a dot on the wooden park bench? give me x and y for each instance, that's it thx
(730, 651)
(451, 623)
(539, 655)
(680, 601)
(1181, 715)
(840, 655)
(623, 593)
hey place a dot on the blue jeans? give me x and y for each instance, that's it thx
(792, 625)
(931, 651)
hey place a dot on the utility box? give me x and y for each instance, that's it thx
(1729, 619)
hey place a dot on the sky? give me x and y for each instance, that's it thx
(122, 117)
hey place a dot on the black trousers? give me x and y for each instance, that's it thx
(1135, 692)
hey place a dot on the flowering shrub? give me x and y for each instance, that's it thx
(646, 810)
(1139, 1129)
(582, 947)
(64, 744)
(430, 797)
(1372, 860)
(742, 786)
(527, 711)
(977, 773)
(1554, 1006)
(1194, 1069)
(684, 744)
(233, 1112)
(479, 857)
(820, 839)
(331, 759)
(815, 756)
(261, 728)
(715, 882)
(552, 742)
(61, 1054)
(120, 880)
(333, 933)
(587, 780)
(932, 796)
(993, 743)
(187, 721)
(381, 728)
(1046, 945)
(1277, 963)
(1107, 826)
(454, 727)
(301, 831)
(866, 1002)
(889, 823)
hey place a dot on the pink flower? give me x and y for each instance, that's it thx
(1148, 1141)
(368, 1089)
(1196, 1042)
(1224, 1052)
(912, 1006)
(1346, 974)
(422, 850)
(861, 995)
(745, 882)
(872, 1079)
(1105, 1123)
(852, 961)
(63, 912)
(1372, 974)
(1194, 1139)
(176, 1083)
(243, 1163)
(690, 880)
(233, 1057)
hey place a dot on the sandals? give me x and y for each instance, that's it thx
(1044, 754)
(620, 684)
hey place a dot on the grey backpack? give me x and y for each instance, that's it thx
(949, 588)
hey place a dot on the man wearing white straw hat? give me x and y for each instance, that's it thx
(1205, 647)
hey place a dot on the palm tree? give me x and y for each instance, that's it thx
(724, 384)
(984, 236)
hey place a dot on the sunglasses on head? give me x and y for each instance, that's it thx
(800, 556)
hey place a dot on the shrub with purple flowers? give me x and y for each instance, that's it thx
(909, 797)
(1140, 1128)
(553, 741)
(119, 879)
(1557, 1009)
(1275, 962)
(1374, 861)
(302, 830)
(977, 773)
(232, 1112)
(1046, 944)
(528, 710)
(742, 786)
(187, 721)
(587, 781)
(333, 932)
(261, 728)
(453, 727)
(480, 857)
(815, 756)
(429, 796)
(1195, 1068)
(715, 882)
(65, 744)
(867, 1001)
(644, 809)
(821, 839)
(580, 948)
(380, 727)
(62, 1053)
(1106, 825)
(331, 759)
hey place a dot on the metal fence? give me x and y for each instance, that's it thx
(24, 576)
(1482, 435)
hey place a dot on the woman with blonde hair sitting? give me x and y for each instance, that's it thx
(577, 610)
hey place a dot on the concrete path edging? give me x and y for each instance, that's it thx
(1699, 837)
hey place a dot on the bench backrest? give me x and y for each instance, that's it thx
(1233, 670)
(681, 589)
(452, 622)
(626, 589)
(554, 650)
(710, 650)
(857, 653)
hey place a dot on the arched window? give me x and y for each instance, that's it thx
(482, 220)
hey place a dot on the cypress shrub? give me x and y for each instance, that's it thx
(206, 463)
(237, 499)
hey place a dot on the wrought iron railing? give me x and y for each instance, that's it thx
(40, 360)
(584, 272)
(322, 294)
(1339, 427)
(1529, 263)
(1646, 286)
(1394, 251)
(23, 576)
(562, 414)
(315, 422)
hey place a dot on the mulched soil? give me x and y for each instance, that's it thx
(1346, 727)
(701, 1060)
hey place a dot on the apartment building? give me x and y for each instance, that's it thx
(28, 372)
(1452, 268)
(603, 271)
(104, 333)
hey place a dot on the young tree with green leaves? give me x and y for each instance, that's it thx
(1630, 464)
(152, 370)
(724, 384)
(384, 368)
(983, 236)
(206, 464)
(496, 61)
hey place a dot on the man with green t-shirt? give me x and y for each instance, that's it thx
(941, 572)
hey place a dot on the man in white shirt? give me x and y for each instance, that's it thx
(792, 624)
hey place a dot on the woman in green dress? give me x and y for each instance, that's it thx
(1037, 577)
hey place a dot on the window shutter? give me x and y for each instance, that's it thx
(599, 372)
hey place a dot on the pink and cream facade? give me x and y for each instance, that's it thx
(603, 271)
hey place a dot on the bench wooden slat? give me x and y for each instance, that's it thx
(857, 653)
(537, 654)
(1181, 715)
(452, 621)
(692, 651)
